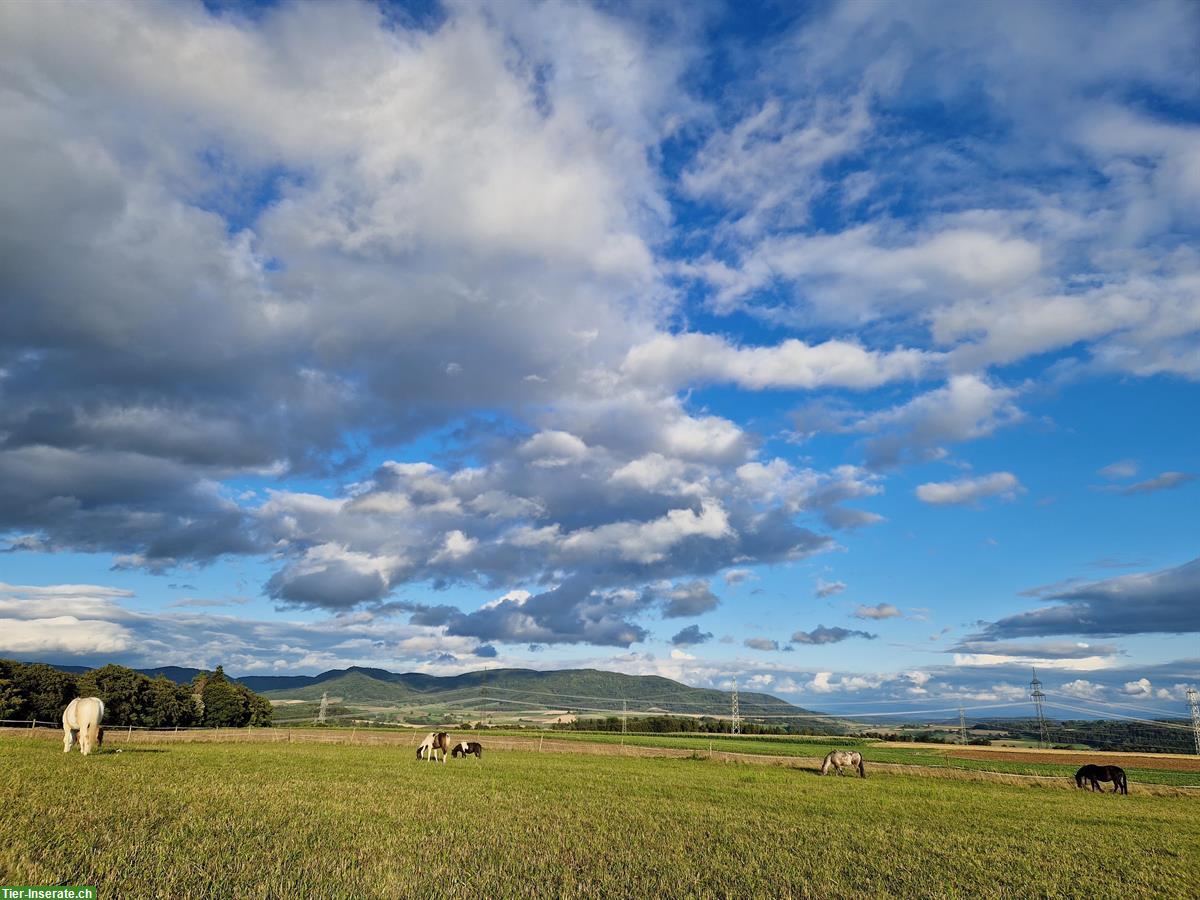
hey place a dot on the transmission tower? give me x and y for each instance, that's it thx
(735, 720)
(1036, 695)
(324, 708)
(624, 716)
(962, 727)
(1194, 705)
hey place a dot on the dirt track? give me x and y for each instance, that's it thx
(1133, 760)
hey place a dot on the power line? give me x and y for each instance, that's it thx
(1139, 707)
(1101, 714)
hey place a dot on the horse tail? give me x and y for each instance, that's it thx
(862, 771)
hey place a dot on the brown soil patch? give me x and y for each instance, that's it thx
(1143, 761)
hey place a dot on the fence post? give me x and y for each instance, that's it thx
(541, 737)
(32, 725)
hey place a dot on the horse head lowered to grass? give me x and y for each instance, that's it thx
(838, 759)
(434, 741)
(83, 714)
(1093, 775)
(467, 748)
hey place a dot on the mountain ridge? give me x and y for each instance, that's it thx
(589, 690)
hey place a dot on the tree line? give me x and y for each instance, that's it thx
(42, 692)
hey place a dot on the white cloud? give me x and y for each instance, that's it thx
(1083, 689)
(693, 358)
(829, 588)
(878, 611)
(966, 408)
(649, 541)
(63, 634)
(969, 490)
(1122, 468)
(1139, 688)
(553, 448)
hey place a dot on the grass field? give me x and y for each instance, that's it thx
(199, 819)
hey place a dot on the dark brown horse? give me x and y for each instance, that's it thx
(1095, 774)
(467, 748)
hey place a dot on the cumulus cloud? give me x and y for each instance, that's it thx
(1084, 689)
(965, 491)
(829, 588)
(967, 407)
(690, 636)
(64, 634)
(735, 577)
(1139, 688)
(878, 611)
(1161, 602)
(761, 643)
(693, 358)
(691, 598)
(823, 635)
(328, 242)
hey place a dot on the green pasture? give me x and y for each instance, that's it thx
(309, 820)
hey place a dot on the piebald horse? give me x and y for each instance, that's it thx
(467, 748)
(1095, 774)
(84, 714)
(839, 758)
(432, 744)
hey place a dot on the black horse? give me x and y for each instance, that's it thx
(467, 748)
(1095, 774)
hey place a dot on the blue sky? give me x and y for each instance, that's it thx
(847, 349)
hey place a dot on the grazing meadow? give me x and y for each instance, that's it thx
(303, 819)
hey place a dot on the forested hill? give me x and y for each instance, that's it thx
(584, 689)
(574, 688)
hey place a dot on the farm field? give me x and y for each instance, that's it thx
(260, 819)
(1144, 768)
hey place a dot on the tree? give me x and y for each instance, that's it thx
(225, 706)
(260, 708)
(125, 694)
(170, 704)
(44, 691)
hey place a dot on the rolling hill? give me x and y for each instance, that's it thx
(583, 690)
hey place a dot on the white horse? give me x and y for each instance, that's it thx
(84, 714)
(839, 758)
(434, 741)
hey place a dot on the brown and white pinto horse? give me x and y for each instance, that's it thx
(467, 748)
(839, 758)
(434, 741)
(83, 714)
